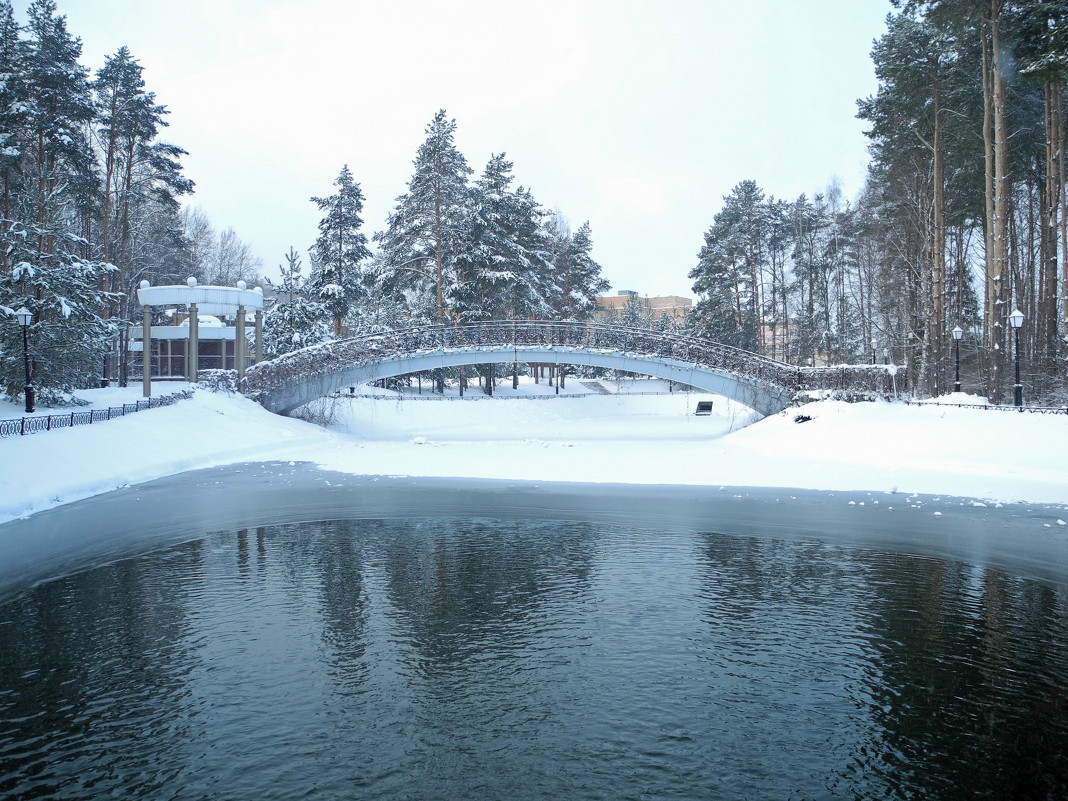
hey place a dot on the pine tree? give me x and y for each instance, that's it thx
(13, 127)
(576, 279)
(68, 337)
(142, 177)
(296, 320)
(636, 313)
(728, 275)
(48, 188)
(336, 280)
(427, 230)
(498, 268)
(58, 178)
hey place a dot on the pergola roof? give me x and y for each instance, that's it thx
(209, 299)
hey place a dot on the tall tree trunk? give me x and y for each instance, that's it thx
(439, 260)
(1046, 322)
(1062, 134)
(939, 330)
(1002, 185)
(339, 322)
(123, 246)
(754, 277)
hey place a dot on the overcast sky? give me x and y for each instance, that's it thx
(637, 115)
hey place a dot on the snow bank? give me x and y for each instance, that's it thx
(618, 438)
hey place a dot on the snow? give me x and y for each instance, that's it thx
(986, 455)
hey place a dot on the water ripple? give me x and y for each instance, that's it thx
(480, 658)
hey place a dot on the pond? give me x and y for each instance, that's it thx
(333, 637)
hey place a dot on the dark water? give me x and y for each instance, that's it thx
(529, 659)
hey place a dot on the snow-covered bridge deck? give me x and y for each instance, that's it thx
(763, 384)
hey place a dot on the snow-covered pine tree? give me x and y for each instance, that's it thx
(141, 182)
(58, 179)
(728, 274)
(504, 254)
(636, 313)
(336, 281)
(295, 321)
(12, 113)
(576, 278)
(49, 185)
(68, 337)
(666, 324)
(427, 229)
(382, 311)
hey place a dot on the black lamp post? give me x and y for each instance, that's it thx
(25, 317)
(958, 332)
(873, 350)
(1016, 320)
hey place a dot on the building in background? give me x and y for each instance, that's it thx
(676, 307)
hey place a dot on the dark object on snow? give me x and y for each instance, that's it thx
(704, 407)
(802, 418)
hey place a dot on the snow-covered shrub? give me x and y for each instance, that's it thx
(218, 380)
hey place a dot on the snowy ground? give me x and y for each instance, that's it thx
(617, 438)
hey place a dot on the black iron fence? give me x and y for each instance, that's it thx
(20, 426)
(995, 407)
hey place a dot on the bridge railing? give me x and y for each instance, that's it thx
(637, 342)
(521, 333)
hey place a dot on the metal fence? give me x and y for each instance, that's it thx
(21, 426)
(338, 355)
(996, 407)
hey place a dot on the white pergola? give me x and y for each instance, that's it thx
(215, 300)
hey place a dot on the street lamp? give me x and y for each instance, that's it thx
(873, 350)
(1016, 320)
(25, 317)
(958, 332)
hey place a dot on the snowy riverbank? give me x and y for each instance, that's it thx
(638, 439)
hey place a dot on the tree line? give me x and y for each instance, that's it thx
(453, 251)
(961, 221)
(91, 206)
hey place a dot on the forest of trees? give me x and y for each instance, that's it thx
(453, 250)
(961, 221)
(89, 206)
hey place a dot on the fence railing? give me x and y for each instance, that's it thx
(268, 376)
(21, 426)
(995, 407)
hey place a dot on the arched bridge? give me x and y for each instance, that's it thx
(290, 381)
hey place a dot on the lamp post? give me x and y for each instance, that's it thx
(873, 350)
(958, 332)
(25, 317)
(1016, 320)
(886, 356)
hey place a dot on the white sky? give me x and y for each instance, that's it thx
(637, 115)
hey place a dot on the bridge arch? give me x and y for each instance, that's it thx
(290, 381)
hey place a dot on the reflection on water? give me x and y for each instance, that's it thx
(488, 659)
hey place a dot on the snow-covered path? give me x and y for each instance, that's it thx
(637, 439)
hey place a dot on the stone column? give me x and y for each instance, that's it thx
(239, 343)
(146, 353)
(194, 342)
(259, 335)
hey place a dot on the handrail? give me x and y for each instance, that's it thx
(522, 334)
(997, 407)
(21, 426)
